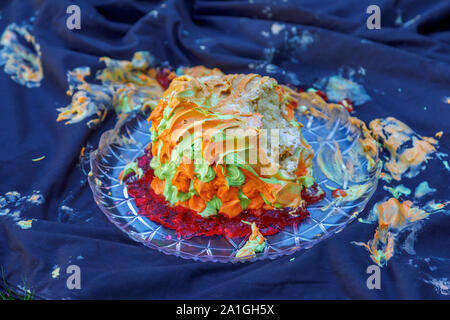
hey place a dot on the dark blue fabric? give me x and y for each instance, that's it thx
(414, 58)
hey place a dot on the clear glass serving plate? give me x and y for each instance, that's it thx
(339, 163)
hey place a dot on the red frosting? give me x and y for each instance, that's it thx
(188, 223)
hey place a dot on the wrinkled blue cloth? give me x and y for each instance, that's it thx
(404, 67)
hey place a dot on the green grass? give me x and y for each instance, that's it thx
(7, 294)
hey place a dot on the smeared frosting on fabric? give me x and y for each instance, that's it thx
(423, 189)
(339, 88)
(22, 63)
(433, 271)
(13, 203)
(398, 191)
(124, 86)
(408, 150)
(56, 271)
(393, 217)
(25, 224)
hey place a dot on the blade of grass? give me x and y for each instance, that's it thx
(11, 295)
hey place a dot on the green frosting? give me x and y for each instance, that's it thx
(284, 176)
(273, 180)
(265, 200)
(123, 105)
(398, 190)
(165, 121)
(234, 159)
(204, 103)
(235, 177)
(131, 167)
(244, 200)
(211, 101)
(166, 171)
(172, 195)
(212, 206)
(153, 134)
(252, 246)
(183, 149)
(186, 93)
(163, 171)
(204, 171)
(295, 123)
(307, 181)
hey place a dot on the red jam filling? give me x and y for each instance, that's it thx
(162, 76)
(188, 223)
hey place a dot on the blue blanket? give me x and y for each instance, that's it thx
(403, 67)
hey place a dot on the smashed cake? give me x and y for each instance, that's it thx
(226, 153)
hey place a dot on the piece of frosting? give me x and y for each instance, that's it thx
(255, 243)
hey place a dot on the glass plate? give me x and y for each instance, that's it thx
(131, 135)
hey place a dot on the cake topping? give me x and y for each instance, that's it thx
(225, 143)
